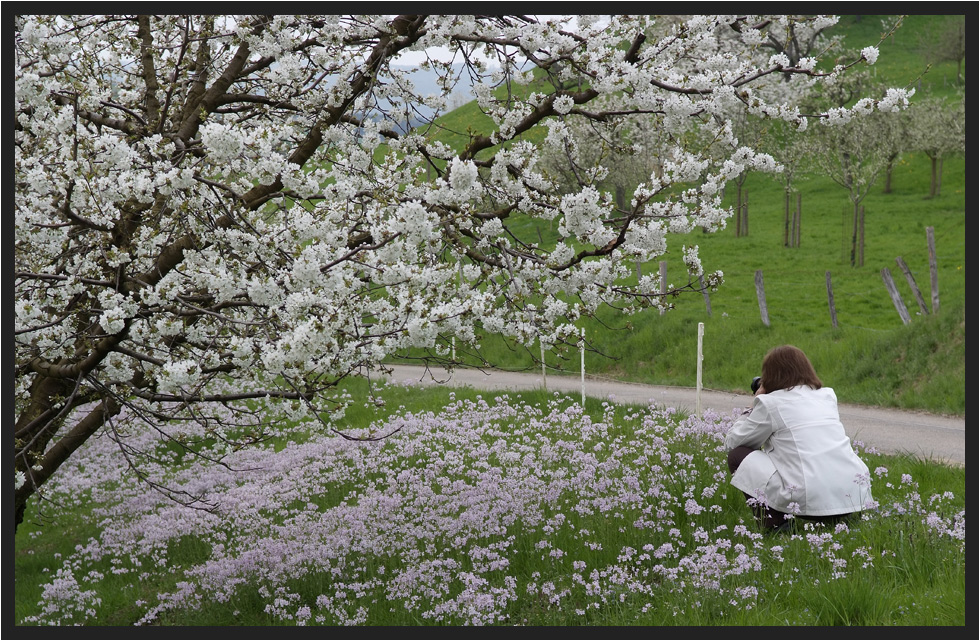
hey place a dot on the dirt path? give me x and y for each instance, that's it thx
(929, 436)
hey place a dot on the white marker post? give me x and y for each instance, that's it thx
(700, 358)
(582, 343)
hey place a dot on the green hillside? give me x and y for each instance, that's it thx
(871, 357)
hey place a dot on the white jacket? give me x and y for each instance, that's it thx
(805, 456)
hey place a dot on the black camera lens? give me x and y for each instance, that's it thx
(756, 383)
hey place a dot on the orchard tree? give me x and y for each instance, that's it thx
(610, 155)
(801, 39)
(855, 153)
(938, 129)
(946, 42)
(854, 156)
(793, 153)
(218, 218)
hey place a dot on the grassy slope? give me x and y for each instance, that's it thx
(871, 357)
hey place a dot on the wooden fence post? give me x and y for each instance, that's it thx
(893, 292)
(830, 299)
(738, 211)
(933, 273)
(760, 292)
(911, 281)
(707, 299)
(663, 283)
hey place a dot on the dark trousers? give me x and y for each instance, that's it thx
(767, 517)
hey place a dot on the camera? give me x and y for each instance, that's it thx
(756, 383)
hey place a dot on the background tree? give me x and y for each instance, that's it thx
(611, 156)
(792, 152)
(800, 41)
(218, 218)
(937, 127)
(898, 142)
(946, 43)
(854, 156)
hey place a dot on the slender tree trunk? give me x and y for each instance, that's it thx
(888, 173)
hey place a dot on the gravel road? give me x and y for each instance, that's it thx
(940, 438)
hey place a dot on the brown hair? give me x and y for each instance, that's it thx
(787, 366)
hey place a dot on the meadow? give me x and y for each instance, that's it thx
(478, 510)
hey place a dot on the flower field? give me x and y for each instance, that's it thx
(484, 511)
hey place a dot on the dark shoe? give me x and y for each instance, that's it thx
(787, 527)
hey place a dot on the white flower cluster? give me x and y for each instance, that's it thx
(563, 104)
(582, 218)
(692, 261)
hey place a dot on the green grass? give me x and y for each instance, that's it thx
(893, 568)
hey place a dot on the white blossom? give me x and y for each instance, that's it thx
(563, 104)
(779, 60)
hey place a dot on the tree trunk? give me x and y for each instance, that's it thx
(58, 454)
(888, 173)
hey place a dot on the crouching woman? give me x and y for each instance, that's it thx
(789, 454)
